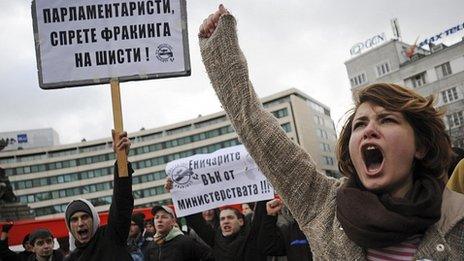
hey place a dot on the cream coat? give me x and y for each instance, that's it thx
(309, 194)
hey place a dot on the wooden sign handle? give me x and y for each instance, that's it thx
(118, 127)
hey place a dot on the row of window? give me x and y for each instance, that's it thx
(328, 160)
(449, 95)
(420, 79)
(25, 184)
(325, 147)
(37, 197)
(458, 143)
(382, 69)
(414, 81)
(110, 156)
(108, 185)
(136, 151)
(68, 152)
(322, 122)
(455, 119)
(101, 201)
(417, 80)
(70, 192)
(280, 113)
(109, 170)
(358, 79)
(70, 177)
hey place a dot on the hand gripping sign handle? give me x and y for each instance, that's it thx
(118, 127)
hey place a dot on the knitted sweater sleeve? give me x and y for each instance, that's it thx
(289, 168)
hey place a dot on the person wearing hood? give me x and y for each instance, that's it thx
(169, 243)
(89, 241)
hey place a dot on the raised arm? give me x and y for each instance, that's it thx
(290, 169)
(5, 252)
(122, 204)
(271, 241)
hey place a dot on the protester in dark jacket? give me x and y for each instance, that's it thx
(92, 242)
(6, 253)
(236, 239)
(288, 240)
(170, 244)
(231, 242)
(42, 243)
(135, 239)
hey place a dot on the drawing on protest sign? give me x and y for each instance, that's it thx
(206, 181)
(93, 41)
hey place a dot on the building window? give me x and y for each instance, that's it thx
(287, 127)
(455, 119)
(458, 143)
(328, 160)
(280, 113)
(418, 80)
(322, 134)
(449, 95)
(319, 120)
(382, 69)
(325, 147)
(443, 70)
(358, 79)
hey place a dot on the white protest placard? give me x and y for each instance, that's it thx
(206, 181)
(93, 41)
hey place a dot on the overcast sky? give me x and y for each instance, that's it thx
(289, 44)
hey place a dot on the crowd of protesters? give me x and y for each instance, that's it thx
(394, 203)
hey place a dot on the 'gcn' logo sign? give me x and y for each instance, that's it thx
(371, 42)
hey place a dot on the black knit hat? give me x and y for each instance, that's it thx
(138, 220)
(38, 234)
(76, 206)
(26, 240)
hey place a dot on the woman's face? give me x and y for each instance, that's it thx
(382, 148)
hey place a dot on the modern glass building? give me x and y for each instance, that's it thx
(48, 178)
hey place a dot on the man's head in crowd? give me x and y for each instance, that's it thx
(231, 221)
(136, 225)
(150, 226)
(164, 218)
(26, 245)
(42, 243)
(247, 208)
(208, 215)
(80, 215)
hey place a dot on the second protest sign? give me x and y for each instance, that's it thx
(207, 181)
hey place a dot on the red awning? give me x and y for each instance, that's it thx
(56, 226)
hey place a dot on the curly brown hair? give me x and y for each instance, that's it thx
(426, 121)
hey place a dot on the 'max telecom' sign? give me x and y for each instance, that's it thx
(93, 41)
(441, 35)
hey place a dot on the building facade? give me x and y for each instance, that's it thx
(438, 72)
(28, 139)
(48, 178)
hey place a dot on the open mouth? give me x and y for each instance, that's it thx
(227, 228)
(83, 233)
(373, 158)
